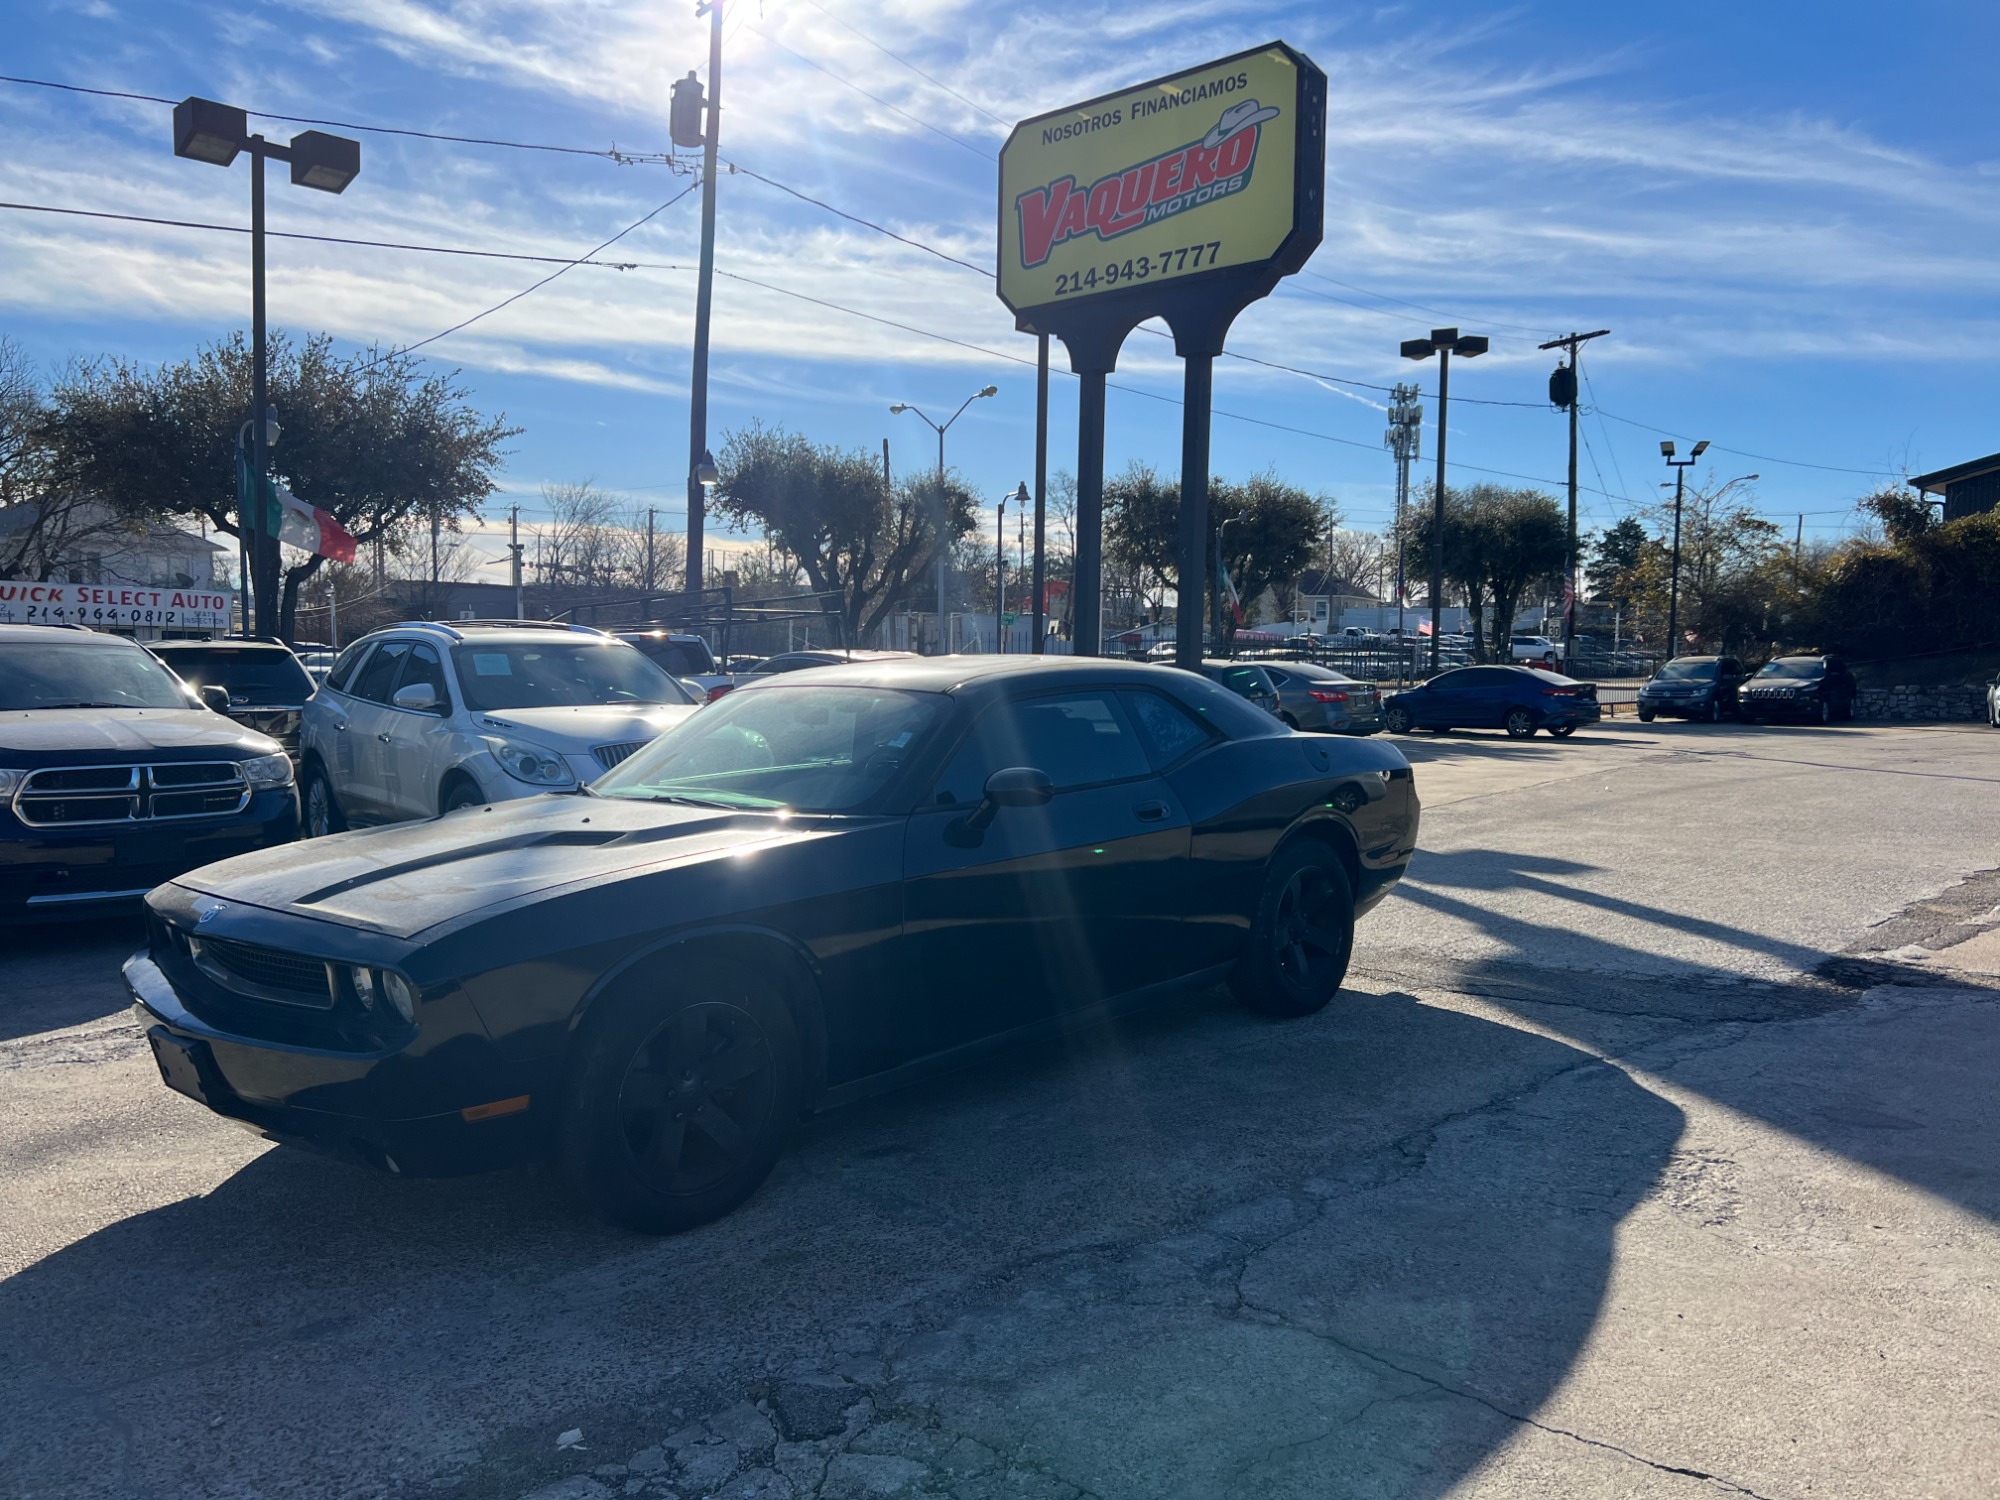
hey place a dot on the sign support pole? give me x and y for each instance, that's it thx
(1086, 621)
(1191, 555)
(1041, 578)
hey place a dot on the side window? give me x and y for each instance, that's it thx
(1079, 739)
(1278, 675)
(421, 664)
(344, 667)
(377, 681)
(1450, 680)
(1166, 731)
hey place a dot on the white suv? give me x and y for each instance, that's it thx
(419, 719)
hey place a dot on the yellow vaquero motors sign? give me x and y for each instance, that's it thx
(1182, 177)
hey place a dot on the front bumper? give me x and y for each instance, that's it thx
(1780, 708)
(55, 874)
(1677, 707)
(355, 1105)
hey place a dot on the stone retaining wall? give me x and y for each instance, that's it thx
(1956, 703)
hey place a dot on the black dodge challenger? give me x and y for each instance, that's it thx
(817, 886)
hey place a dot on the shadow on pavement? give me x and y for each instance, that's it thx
(39, 967)
(1154, 1262)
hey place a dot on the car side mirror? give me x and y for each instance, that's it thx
(1013, 786)
(214, 697)
(419, 697)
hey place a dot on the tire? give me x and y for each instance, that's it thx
(677, 1106)
(458, 793)
(1645, 716)
(1396, 720)
(1562, 731)
(1825, 711)
(319, 812)
(1520, 724)
(1302, 935)
(1714, 712)
(1289, 722)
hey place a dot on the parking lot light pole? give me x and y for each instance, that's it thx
(1220, 605)
(215, 133)
(943, 510)
(1680, 466)
(1443, 342)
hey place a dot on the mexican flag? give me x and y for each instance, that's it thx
(292, 521)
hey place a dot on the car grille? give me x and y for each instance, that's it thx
(264, 973)
(610, 755)
(68, 796)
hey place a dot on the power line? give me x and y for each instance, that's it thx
(857, 219)
(624, 158)
(1796, 463)
(324, 239)
(937, 82)
(510, 301)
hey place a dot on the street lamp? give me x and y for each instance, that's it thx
(896, 411)
(1443, 342)
(215, 133)
(1000, 578)
(1226, 523)
(1680, 466)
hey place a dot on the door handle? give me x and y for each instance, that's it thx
(1150, 812)
(340, 725)
(384, 738)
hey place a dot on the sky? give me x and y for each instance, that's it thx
(1783, 212)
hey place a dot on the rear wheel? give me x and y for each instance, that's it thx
(1302, 935)
(678, 1106)
(1520, 724)
(322, 813)
(1397, 720)
(1290, 722)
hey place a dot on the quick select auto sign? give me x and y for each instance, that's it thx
(1177, 178)
(113, 604)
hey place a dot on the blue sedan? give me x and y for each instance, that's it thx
(1517, 699)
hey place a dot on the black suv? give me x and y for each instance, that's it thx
(114, 777)
(267, 685)
(1815, 688)
(1693, 687)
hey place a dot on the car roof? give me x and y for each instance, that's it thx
(223, 644)
(961, 674)
(1310, 669)
(41, 634)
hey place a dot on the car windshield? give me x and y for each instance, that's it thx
(682, 658)
(1807, 668)
(247, 674)
(73, 674)
(499, 675)
(1686, 671)
(813, 749)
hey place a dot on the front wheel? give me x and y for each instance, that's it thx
(1562, 731)
(1825, 711)
(678, 1106)
(462, 793)
(1645, 716)
(1714, 712)
(322, 813)
(1302, 935)
(1520, 724)
(1397, 720)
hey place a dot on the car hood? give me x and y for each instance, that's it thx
(580, 729)
(90, 736)
(410, 877)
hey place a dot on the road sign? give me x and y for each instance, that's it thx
(1210, 178)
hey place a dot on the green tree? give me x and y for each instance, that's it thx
(864, 547)
(367, 438)
(1497, 543)
(1615, 561)
(1905, 517)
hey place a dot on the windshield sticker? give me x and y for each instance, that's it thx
(492, 664)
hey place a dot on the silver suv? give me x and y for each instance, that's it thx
(419, 719)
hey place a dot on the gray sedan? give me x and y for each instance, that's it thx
(1315, 697)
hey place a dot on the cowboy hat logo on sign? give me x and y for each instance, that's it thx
(1216, 165)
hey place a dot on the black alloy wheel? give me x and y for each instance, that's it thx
(1520, 724)
(1302, 935)
(1826, 710)
(322, 813)
(1715, 710)
(1562, 731)
(677, 1108)
(1396, 719)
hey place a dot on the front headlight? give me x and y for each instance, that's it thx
(377, 986)
(267, 771)
(531, 763)
(10, 781)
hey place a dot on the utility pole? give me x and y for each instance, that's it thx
(1563, 393)
(1680, 466)
(332, 616)
(1405, 439)
(1000, 579)
(514, 560)
(704, 300)
(651, 510)
(1443, 342)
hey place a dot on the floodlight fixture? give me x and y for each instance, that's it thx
(325, 162)
(210, 132)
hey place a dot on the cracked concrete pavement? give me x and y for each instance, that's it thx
(1650, 1153)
